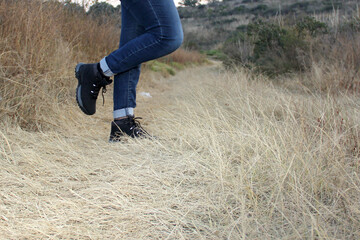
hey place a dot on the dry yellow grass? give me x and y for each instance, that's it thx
(236, 158)
(184, 56)
(40, 43)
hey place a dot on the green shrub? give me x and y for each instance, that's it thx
(312, 26)
(275, 48)
(271, 48)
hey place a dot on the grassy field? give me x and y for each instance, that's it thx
(237, 155)
(236, 158)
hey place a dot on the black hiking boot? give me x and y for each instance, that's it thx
(128, 126)
(90, 81)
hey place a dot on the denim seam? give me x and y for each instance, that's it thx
(156, 42)
(157, 18)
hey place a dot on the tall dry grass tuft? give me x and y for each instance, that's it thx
(39, 45)
(337, 68)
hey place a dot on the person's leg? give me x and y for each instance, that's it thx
(150, 29)
(125, 82)
(163, 35)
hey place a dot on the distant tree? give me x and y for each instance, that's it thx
(189, 3)
(101, 8)
(73, 8)
(104, 13)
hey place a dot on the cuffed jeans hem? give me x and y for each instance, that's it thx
(123, 112)
(105, 68)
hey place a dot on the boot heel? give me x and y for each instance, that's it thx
(77, 68)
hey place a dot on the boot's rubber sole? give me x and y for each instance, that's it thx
(78, 89)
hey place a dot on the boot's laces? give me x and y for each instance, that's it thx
(136, 126)
(96, 90)
(102, 94)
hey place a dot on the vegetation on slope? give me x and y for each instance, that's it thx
(208, 25)
(280, 37)
(275, 48)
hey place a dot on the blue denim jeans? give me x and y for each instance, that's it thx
(149, 29)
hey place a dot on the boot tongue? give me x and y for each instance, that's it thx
(103, 81)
